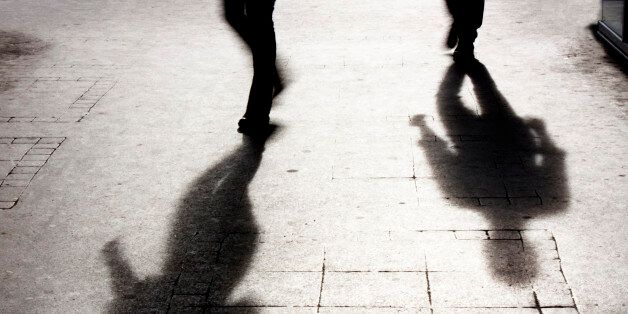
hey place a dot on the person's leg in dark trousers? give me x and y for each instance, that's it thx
(467, 16)
(252, 20)
(263, 47)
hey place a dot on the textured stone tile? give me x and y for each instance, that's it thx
(10, 194)
(257, 309)
(504, 235)
(486, 310)
(24, 170)
(372, 310)
(51, 140)
(6, 205)
(26, 140)
(375, 252)
(269, 289)
(5, 167)
(280, 254)
(471, 235)
(560, 311)
(476, 290)
(13, 152)
(381, 289)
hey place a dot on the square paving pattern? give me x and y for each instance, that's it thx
(20, 160)
(50, 99)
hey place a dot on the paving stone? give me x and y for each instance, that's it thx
(70, 118)
(82, 105)
(257, 309)
(46, 119)
(40, 151)
(6, 140)
(6, 205)
(504, 235)
(26, 140)
(471, 235)
(22, 119)
(268, 289)
(45, 146)
(180, 301)
(25, 170)
(476, 290)
(494, 201)
(10, 194)
(13, 152)
(372, 310)
(375, 253)
(536, 235)
(387, 159)
(380, 289)
(486, 310)
(559, 311)
(15, 183)
(278, 254)
(35, 157)
(5, 167)
(51, 140)
(553, 294)
(20, 176)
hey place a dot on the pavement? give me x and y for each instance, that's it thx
(395, 181)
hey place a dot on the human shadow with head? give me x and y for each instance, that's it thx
(211, 243)
(503, 166)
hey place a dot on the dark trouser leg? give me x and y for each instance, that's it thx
(468, 15)
(234, 12)
(261, 33)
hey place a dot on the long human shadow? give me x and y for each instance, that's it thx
(503, 166)
(211, 242)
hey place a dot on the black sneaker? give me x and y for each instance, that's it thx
(253, 127)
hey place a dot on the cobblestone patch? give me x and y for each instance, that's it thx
(52, 99)
(20, 160)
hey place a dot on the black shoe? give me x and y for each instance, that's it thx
(254, 127)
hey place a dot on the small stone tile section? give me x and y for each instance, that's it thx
(375, 289)
(27, 155)
(522, 267)
(78, 109)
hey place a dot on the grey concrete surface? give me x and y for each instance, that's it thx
(395, 182)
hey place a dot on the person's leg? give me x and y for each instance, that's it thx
(452, 36)
(468, 18)
(234, 13)
(263, 47)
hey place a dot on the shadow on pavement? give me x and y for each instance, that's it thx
(210, 246)
(14, 45)
(495, 162)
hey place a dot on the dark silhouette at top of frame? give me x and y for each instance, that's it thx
(501, 165)
(211, 242)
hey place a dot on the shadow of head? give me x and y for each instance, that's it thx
(211, 242)
(14, 45)
(493, 161)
